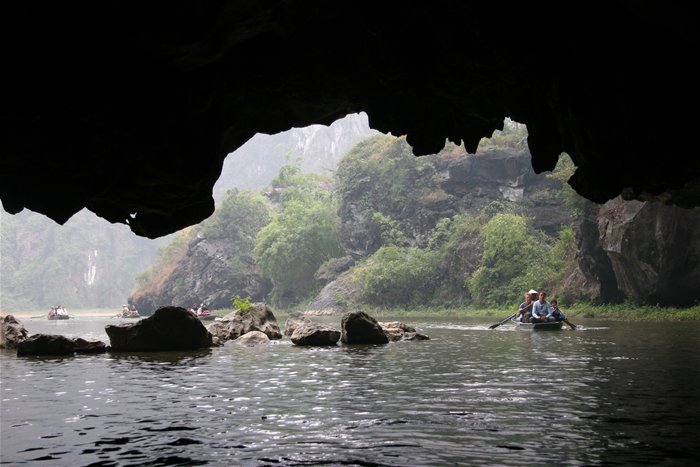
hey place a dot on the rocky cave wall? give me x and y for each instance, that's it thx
(129, 109)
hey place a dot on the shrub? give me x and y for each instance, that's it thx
(240, 304)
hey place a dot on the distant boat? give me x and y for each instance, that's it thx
(52, 317)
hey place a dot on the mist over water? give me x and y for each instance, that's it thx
(611, 393)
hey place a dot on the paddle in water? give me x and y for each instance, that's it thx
(494, 326)
(573, 326)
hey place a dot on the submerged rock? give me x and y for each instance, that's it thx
(52, 344)
(397, 331)
(253, 338)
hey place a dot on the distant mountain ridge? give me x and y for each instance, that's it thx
(320, 148)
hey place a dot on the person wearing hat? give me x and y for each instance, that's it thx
(534, 295)
(525, 310)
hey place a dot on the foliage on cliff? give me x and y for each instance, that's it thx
(209, 262)
(485, 257)
(302, 235)
(413, 243)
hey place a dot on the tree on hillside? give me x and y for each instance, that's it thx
(301, 237)
(515, 259)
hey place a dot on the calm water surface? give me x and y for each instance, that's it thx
(608, 394)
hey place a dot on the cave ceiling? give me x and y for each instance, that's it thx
(128, 109)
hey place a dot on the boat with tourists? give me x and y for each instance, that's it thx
(58, 312)
(129, 313)
(202, 312)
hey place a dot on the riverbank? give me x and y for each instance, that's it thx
(44, 313)
(623, 312)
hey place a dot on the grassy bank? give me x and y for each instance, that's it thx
(623, 312)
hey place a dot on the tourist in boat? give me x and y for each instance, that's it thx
(52, 312)
(557, 313)
(525, 309)
(134, 312)
(125, 311)
(541, 310)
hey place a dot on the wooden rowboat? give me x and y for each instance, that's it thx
(549, 326)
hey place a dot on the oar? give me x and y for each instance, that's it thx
(573, 326)
(494, 326)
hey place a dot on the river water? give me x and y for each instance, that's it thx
(610, 393)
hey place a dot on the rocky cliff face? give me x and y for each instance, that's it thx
(477, 180)
(458, 183)
(654, 250)
(646, 252)
(205, 274)
(320, 147)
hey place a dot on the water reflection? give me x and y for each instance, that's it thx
(609, 394)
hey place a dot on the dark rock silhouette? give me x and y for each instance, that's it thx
(170, 328)
(357, 327)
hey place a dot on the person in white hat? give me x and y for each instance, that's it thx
(525, 308)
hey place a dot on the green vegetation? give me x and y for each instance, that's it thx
(381, 177)
(632, 312)
(514, 257)
(243, 305)
(513, 137)
(397, 276)
(300, 238)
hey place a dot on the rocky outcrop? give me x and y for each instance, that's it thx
(304, 331)
(648, 253)
(205, 274)
(253, 338)
(50, 344)
(294, 320)
(398, 331)
(170, 328)
(456, 183)
(357, 327)
(235, 324)
(333, 296)
(12, 332)
(654, 251)
(475, 181)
